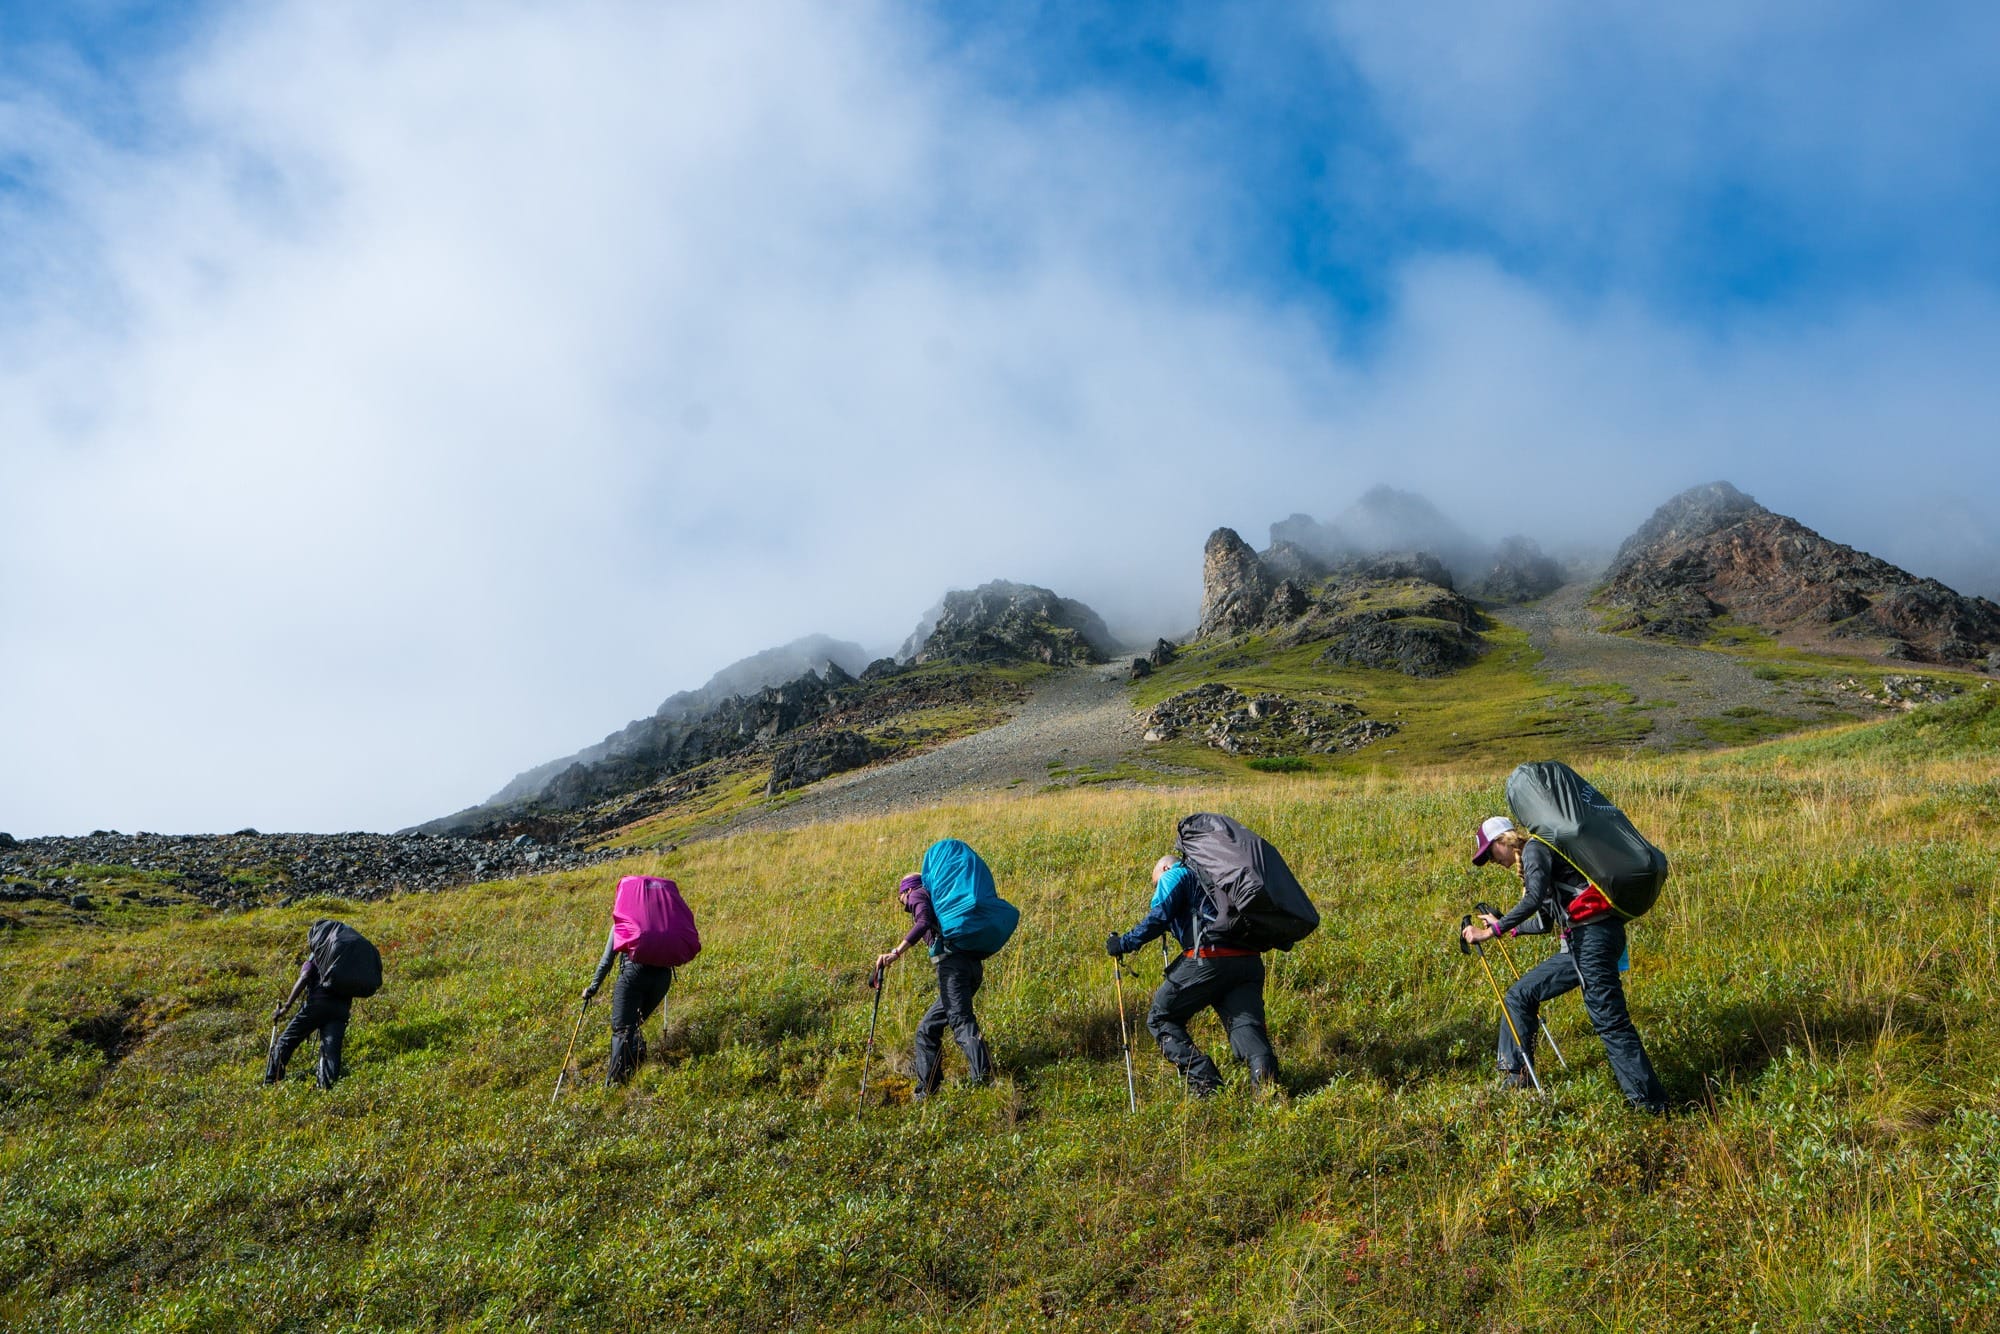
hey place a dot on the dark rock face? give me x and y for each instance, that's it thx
(1714, 551)
(7, 840)
(1003, 622)
(1162, 654)
(1234, 585)
(816, 757)
(1520, 572)
(241, 870)
(1226, 719)
(1141, 667)
(1412, 646)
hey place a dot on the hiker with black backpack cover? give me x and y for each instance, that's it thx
(340, 966)
(1591, 955)
(1227, 898)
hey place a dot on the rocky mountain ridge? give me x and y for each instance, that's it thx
(814, 725)
(1713, 552)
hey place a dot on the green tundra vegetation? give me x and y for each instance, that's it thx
(1818, 986)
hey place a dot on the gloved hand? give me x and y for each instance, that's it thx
(1114, 945)
(589, 991)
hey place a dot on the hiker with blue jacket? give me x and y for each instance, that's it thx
(959, 975)
(1593, 936)
(1229, 980)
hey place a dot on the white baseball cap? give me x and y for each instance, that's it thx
(1489, 829)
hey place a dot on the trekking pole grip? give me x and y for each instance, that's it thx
(1464, 922)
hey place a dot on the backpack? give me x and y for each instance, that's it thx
(1554, 803)
(348, 965)
(972, 916)
(652, 924)
(1258, 903)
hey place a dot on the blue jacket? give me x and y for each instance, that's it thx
(1178, 904)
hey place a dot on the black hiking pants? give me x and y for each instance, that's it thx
(958, 979)
(637, 993)
(324, 1013)
(1234, 988)
(1592, 963)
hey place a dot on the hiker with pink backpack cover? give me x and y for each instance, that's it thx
(652, 933)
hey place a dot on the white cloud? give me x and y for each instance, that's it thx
(428, 390)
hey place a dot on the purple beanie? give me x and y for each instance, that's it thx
(910, 882)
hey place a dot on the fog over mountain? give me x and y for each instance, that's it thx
(393, 397)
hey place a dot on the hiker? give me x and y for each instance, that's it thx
(339, 966)
(652, 932)
(1228, 978)
(959, 974)
(1593, 947)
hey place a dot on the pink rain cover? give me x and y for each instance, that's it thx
(650, 921)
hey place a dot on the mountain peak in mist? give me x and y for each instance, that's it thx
(1002, 621)
(1694, 513)
(1713, 552)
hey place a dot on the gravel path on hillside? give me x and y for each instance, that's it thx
(1078, 717)
(1686, 683)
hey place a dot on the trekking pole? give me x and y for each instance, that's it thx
(1124, 1040)
(1507, 955)
(875, 980)
(569, 1050)
(1469, 947)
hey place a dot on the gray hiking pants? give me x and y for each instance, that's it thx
(958, 979)
(324, 1012)
(637, 993)
(1592, 963)
(1235, 989)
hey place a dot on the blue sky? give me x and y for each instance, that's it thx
(352, 356)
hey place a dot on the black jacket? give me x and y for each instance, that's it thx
(1547, 883)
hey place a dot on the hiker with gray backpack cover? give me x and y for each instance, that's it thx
(340, 966)
(1227, 897)
(1585, 868)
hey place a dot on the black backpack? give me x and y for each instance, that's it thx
(1257, 901)
(348, 965)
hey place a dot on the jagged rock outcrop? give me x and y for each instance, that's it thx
(1519, 572)
(1714, 551)
(1395, 610)
(1225, 718)
(1234, 585)
(1003, 622)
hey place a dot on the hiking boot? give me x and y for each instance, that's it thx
(1517, 1079)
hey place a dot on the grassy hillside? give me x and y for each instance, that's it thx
(1818, 988)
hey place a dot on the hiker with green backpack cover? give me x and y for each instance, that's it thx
(1227, 897)
(1583, 867)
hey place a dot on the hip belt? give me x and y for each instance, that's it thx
(1220, 952)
